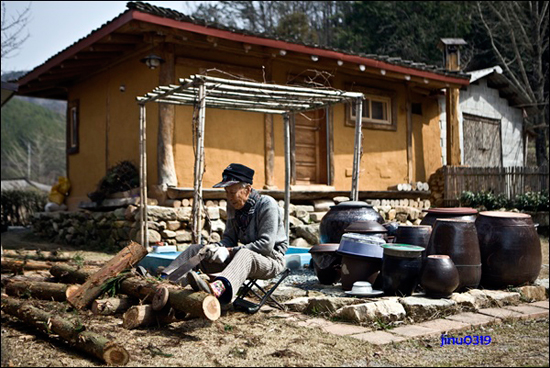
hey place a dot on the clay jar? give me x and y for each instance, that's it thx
(458, 239)
(459, 213)
(415, 235)
(401, 267)
(510, 249)
(339, 217)
(439, 276)
(367, 227)
(326, 263)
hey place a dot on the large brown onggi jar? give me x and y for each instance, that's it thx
(460, 213)
(458, 239)
(510, 249)
(339, 217)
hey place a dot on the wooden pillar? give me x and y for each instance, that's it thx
(199, 166)
(286, 119)
(269, 158)
(357, 149)
(453, 134)
(165, 160)
(410, 158)
(144, 238)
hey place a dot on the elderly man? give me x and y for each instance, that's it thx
(253, 244)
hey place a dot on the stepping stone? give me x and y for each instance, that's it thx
(529, 311)
(541, 304)
(473, 319)
(342, 329)
(414, 331)
(378, 337)
(501, 313)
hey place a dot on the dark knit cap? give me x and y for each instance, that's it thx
(235, 173)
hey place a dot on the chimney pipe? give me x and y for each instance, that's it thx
(451, 52)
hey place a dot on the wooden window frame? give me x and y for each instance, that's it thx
(374, 95)
(73, 127)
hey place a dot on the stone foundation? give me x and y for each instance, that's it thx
(173, 225)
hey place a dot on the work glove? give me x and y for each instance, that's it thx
(216, 253)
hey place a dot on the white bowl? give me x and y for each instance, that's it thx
(361, 287)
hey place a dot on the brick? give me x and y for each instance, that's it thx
(314, 322)
(541, 304)
(530, 311)
(502, 313)
(342, 329)
(444, 325)
(379, 337)
(473, 319)
(414, 331)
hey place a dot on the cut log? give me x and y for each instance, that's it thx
(71, 274)
(196, 304)
(144, 315)
(38, 289)
(110, 306)
(90, 342)
(7, 278)
(14, 265)
(91, 289)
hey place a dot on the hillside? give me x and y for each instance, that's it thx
(25, 123)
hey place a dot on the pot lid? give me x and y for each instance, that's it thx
(505, 214)
(324, 248)
(364, 227)
(351, 204)
(453, 211)
(403, 250)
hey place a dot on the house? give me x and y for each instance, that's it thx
(101, 75)
(490, 121)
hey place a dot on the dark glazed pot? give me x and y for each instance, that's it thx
(367, 227)
(401, 267)
(458, 239)
(326, 263)
(459, 213)
(510, 249)
(439, 276)
(415, 235)
(339, 217)
(359, 269)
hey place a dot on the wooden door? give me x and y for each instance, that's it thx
(482, 141)
(310, 148)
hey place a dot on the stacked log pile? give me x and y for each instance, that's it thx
(437, 187)
(83, 288)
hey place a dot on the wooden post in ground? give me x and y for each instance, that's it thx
(91, 289)
(90, 342)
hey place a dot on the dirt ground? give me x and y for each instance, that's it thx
(238, 339)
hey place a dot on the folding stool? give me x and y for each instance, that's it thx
(241, 304)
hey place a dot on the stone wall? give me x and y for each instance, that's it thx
(173, 225)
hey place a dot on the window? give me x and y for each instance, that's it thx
(72, 127)
(377, 110)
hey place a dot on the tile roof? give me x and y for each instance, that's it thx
(175, 15)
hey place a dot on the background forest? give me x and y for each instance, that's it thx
(511, 34)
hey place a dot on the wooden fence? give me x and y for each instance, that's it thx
(510, 181)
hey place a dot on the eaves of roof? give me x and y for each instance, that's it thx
(170, 18)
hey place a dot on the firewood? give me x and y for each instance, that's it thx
(76, 335)
(70, 274)
(38, 289)
(144, 315)
(14, 265)
(113, 305)
(91, 289)
(40, 256)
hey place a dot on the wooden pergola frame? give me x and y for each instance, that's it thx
(205, 91)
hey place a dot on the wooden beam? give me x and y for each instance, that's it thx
(286, 135)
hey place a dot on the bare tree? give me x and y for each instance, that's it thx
(518, 31)
(14, 32)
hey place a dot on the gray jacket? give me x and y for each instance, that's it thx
(265, 234)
